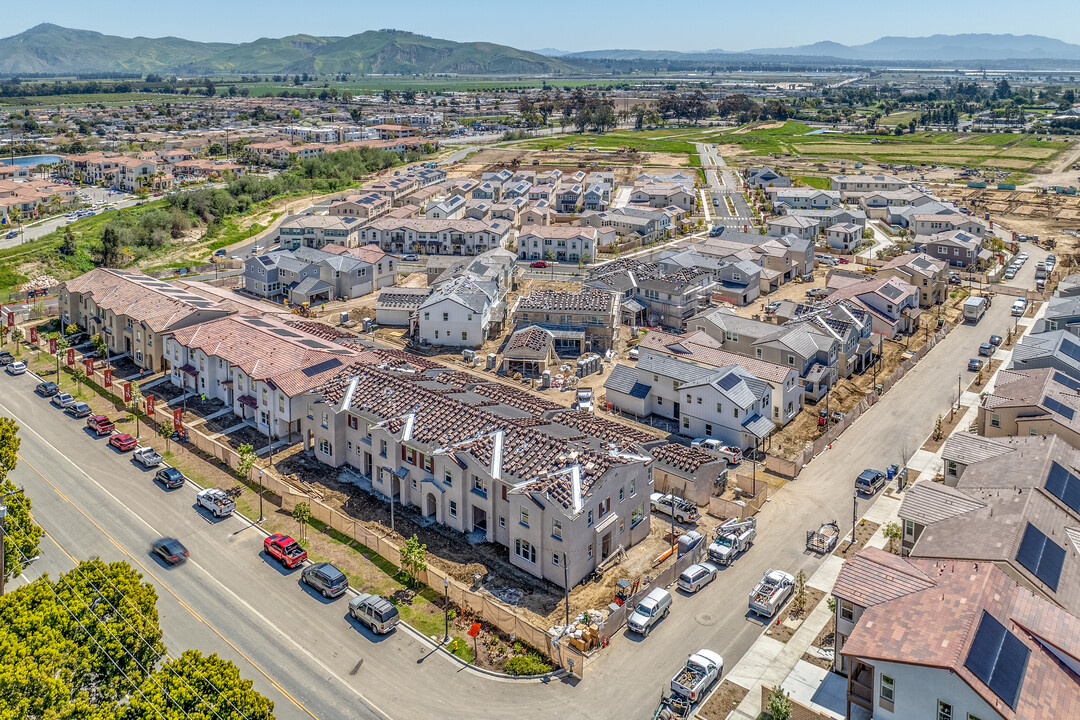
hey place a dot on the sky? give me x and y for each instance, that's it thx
(562, 24)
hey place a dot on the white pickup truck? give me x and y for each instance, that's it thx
(216, 501)
(683, 510)
(732, 538)
(772, 590)
(702, 669)
(147, 456)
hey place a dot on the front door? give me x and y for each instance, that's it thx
(605, 546)
(676, 411)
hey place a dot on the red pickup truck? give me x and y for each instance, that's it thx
(285, 549)
(100, 424)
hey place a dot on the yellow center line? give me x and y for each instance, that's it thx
(146, 570)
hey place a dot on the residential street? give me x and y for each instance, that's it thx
(289, 640)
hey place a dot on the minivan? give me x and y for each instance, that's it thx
(376, 612)
(697, 576)
(1019, 307)
(655, 605)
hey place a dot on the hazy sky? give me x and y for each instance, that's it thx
(638, 24)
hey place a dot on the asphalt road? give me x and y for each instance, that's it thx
(722, 185)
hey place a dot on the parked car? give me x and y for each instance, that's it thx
(975, 364)
(147, 457)
(378, 613)
(954, 278)
(122, 442)
(697, 576)
(325, 578)
(538, 264)
(843, 260)
(1019, 307)
(171, 478)
(62, 400)
(170, 550)
(78, 410)
(995, 340)
(869, 481)
(410, 257)
(653, 607)
(986, 349)
(216, 500)
(11, 235)
(47, 389)
(6, 358)
(1010, 273)
(17, 368)
(285, 549)
(100, 424)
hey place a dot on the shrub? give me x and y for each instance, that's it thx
(527, 665)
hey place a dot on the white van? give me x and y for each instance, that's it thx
(1019, 307)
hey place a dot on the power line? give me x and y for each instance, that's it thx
(129, 653)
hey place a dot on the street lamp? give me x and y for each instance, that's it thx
(446, 608)
(854, 515)
(261, 518)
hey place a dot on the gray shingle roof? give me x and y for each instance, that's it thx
(623, 379)
(670, 367)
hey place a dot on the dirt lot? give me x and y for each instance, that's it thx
(863, 532)
(723, 701)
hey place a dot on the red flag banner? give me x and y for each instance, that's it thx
(127, 392)
(107, 380)
(150, 406)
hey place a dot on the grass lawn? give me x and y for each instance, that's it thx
(111, 99)
(821, 183)
(610, 141)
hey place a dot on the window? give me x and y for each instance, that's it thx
(757, 353)
(448, 477)
(1032, 431)
(590, 552)
(555, 559)
(353, 422)
(590, 518)
(633, 484)
(732, 336)
(736, 412)
(951, 468)
(708, 429)
(325, 447)
(427, 316)
(995, 420)
(556, 529)
(502, 521)
(847, 610)
(909, 529)
(325, 420)
(622, 494)
(686, 423)
(446, 317)
(453, 508)
(479, 484)
(524, 550)
(524, 517)
(622, 526)
(281, 403)
(944, 711)
(790, 359)
(414, 483)
(382, 448)
(264, 399)
(465, 335)
(887, 688)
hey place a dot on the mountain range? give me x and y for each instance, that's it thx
(58, 50)
(965, 48)
(51, 49)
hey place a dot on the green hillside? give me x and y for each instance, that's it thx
(50, 48)
(53, 49)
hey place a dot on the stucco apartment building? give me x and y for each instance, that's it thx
(449, 450)
(437, 237)
(562, 243)
(366, 205)
(928, 275)
(1042, 401)
(258, 366)
(318, 231)
(338, 273)
(135, 313)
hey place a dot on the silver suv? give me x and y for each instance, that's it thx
(325, 578)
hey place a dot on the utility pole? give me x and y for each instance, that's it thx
(566, 586)
(3, 535)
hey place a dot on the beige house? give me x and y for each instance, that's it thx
(1032, 402)
(926, 274)
(367, 205)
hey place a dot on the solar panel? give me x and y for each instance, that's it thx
(1042, 556)
(998, 658)
(1060, 408)
(1063, 379)
(729, 381)
(1070, 348)
(1065, 486)
(322, 367)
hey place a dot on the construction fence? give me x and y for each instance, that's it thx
(791, 468)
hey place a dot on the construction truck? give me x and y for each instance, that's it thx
(683, 510)
(216, 501)
(734, 536)
(702, 669)
(769, 595)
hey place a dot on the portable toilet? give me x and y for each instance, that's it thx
(545, 380)
(367, 324)
(490, 361)
(468, 356)
(343, 317)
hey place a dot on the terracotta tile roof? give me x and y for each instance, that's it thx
(158, 304)
(935, 626)
(682, 457)
(874, 576)
(598, 301)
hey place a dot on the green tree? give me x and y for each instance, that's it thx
(71, 329)
(798, 602)
(99, 345)
(247, 460)
(68, 247)
(166, 431)
(302, 514)
(80, 374)
(22, 536)
(779, 706)
(198, 686)
(136, 401)
(413, 559)
(17, 337)
(892, 533)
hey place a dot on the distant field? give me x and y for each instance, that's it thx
(52, 101)
(1005, 150)
(643, 142)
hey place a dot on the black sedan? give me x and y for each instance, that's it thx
(170, 550)
(47, 389)
(995, 340)
(170, 478)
